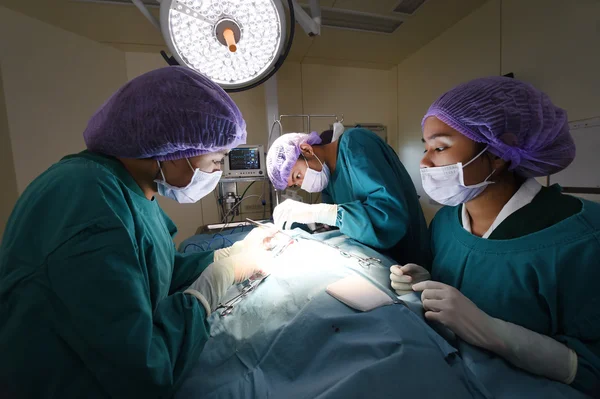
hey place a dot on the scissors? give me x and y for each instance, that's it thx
(277, 231)
(266, 226)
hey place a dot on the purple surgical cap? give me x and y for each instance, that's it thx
(518, 122)
(166, 114)
(284, 153)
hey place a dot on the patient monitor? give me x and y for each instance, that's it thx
(245, 161)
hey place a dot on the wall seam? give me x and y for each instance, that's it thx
(501, 41)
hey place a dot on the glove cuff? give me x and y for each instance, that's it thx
(573, 362)
(221, 254)
(537, 353)
(327, 214)
(201, 298)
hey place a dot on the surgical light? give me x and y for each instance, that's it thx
(234, 43)
(238, 44)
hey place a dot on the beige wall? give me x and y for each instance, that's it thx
(53, 82)
(360, 94)
(555, 45)
(566, 60)
(9, 188)
(468, 50)
(289, 96)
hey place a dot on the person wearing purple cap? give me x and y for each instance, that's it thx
(95, 301)
(367, 193)
(515, 265)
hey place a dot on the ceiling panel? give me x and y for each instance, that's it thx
(383, 7)
(324, 3)
(430, 21)
(124, 27)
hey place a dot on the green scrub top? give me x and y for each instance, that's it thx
(91, 302)
(540, 269)
(377, 201)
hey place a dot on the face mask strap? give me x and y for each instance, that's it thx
(161, 171)
(476, 156)
(190, 164)
(314, 155)
(490, 175)
(305, 160)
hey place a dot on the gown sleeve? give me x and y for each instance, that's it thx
(587, 378)
(188, 267)
(135, 342)
(378, 217)
(579, 314)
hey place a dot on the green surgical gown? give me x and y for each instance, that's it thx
(91, 302)
(540, 269)
(377, 201)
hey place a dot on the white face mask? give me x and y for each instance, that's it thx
(446, 184)
(314, 181)
(201, 184)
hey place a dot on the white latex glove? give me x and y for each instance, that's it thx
(217, 278)
(235, 249)
(258, 238)
(338, 130)
(290, 211)
(403, 277)
(526, 349)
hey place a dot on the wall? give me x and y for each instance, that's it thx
(190, 217)
(565, 62)
(360, 94)
(468, 50)
(9, 187)
(53, 81)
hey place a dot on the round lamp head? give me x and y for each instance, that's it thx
(234, 43)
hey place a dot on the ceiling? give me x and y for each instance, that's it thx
(124, 27)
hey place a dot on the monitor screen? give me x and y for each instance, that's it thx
(244, 158)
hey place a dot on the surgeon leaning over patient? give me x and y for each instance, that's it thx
(366, 191)
(95, 302)
(515, 265)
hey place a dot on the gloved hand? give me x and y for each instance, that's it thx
(290, 211)
(533, 352)
(403, 277)
(338, 130)
(258, 239)
(217, 278)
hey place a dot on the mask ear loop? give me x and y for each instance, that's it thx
(305, 160)
(314, 155)
(190, 165)
(161, 171)
(490, 175)
(476, 156)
